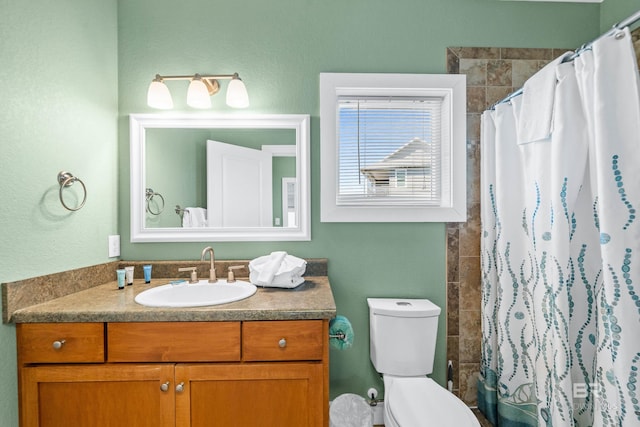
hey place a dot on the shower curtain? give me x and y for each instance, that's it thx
(560, 246)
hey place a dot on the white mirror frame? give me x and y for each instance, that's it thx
(138, 123)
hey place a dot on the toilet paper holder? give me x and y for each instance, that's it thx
(340, 336)
(340, 333)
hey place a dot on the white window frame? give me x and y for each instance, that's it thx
(452, 89)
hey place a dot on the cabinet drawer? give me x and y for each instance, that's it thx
(173, 342)
(60, 342)
(282, 340)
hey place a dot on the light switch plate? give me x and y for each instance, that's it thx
(114, 246)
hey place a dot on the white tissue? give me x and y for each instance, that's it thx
(278, 269)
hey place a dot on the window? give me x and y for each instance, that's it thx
(393, 147)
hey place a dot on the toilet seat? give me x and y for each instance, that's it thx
(421, 402)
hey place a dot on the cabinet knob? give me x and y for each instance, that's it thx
(180, 387)
(282, 343)
(57, 345)
(165, 386)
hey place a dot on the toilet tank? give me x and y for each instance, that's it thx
(402, 335)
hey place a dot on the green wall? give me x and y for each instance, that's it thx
(177, 169)
(58, 88)
(613, 12)
(87, 56)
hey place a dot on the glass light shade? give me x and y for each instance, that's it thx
(158, 96)
(237, 96)
(198, 95)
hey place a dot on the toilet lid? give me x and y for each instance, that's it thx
(421, 402)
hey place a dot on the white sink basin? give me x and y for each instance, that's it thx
(196, 295)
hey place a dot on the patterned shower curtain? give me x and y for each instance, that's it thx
(561, 249)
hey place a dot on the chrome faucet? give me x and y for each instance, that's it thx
(212, 268)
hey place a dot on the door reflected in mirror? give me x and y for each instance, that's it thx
(219, 178)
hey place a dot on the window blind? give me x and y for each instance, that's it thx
(389, 151)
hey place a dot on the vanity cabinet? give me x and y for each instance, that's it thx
(63, 395)
(237, 373)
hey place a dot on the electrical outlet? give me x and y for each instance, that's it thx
(114, 246)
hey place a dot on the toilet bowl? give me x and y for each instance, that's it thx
(402, 348)
(421, 402)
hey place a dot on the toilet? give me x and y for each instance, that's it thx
(403, 340)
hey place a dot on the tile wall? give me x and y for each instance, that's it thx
(492, 74)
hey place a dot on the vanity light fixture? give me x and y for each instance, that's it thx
(200, 90)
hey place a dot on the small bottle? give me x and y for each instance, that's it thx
(147, 273)
(121, 273)
(129, 275)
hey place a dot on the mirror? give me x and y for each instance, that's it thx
(215, 178)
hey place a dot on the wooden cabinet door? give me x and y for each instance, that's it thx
(110, 395)
(250, 394)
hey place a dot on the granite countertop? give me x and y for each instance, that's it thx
(106, 303)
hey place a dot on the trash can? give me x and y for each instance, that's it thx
(350, 410)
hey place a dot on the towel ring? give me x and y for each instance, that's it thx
(66, 179)
(149, 195)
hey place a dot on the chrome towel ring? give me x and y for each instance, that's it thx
(66, 179)
(149, 195)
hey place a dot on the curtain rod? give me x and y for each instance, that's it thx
(624, 23)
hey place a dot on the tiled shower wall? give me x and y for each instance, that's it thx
(492, 74)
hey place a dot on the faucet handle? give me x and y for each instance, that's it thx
(230, 276)
(194, 273)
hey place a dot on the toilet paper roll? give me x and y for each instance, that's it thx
(340, 333)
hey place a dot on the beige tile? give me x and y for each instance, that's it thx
(499, 72)
(453, 62)
(526, 53)
(476, 52)
(497, 93)
(476, 99)
(475, 70)
(470, 282)
(470, 231)
(468, 383)
(522, 70)
(453, 308)
(470, 336)
(473, 126)
(453, 232)
(473, 171)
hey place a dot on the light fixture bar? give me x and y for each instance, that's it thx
(202, 76)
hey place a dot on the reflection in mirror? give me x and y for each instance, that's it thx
(218, 178)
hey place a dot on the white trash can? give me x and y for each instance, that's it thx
(350, 410)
